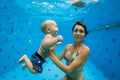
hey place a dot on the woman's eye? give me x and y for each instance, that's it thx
(76, 30)
(81, 31)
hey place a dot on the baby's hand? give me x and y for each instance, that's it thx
(59, 37)
(58, 43)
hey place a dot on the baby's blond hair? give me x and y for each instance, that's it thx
(47, 23)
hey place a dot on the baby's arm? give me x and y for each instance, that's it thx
(49, 41)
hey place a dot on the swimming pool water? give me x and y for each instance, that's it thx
(51, 72)
(20, 33)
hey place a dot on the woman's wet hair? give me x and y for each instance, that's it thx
(81, 24)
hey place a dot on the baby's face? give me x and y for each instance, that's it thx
(54, 29)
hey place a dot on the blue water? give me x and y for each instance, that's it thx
(20, 33)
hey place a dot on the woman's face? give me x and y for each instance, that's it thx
(78, 33)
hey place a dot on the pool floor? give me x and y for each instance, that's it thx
(51, 72)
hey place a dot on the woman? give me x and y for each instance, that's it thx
(75, 54)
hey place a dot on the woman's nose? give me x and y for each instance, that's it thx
(78, 32)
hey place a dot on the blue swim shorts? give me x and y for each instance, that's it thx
(37, 62)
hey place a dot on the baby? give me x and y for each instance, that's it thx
(50, 29)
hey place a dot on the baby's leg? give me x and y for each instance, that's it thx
(21, 59)
(24, 65)
(28, 63)
(64, 78)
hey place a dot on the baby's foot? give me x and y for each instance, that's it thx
(24, 65)
(22, 59)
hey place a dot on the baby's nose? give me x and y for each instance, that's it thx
(56, 29)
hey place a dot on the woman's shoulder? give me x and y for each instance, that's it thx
(69, 45)
(86, 48)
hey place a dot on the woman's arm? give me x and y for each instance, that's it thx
(61, 55)
(64, 51)
(79, 60)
